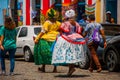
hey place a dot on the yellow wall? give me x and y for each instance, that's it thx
(98, 11)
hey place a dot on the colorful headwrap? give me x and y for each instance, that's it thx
(51, 13)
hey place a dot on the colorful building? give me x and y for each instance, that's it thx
(24, 12)
(102, 6)
(4, 10)
(27, 10)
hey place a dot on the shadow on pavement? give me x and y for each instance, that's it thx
(7, 74)
(73, 76)
(51, 72)
(19, 59)
(107, 72)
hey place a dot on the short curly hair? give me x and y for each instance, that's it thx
(92, 17)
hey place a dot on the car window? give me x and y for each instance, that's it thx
(23, 32)
(17, 29)
(37, 30)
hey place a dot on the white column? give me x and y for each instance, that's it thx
(51, 2)
(9, 8)
(41, 4)
(30, 12)
(24, 12)
(33, 4)
(118, 11)
(62, 1)
(103, 11)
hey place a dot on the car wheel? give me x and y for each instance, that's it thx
(28, 55)
(84, 64)
(112, 61)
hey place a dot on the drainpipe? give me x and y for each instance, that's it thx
(9, 8)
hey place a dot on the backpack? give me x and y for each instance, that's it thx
(96, 36)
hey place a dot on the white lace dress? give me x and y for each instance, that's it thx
(69, 49)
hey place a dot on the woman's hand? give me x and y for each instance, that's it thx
(38, 37)
(1, 47)
(36, 40)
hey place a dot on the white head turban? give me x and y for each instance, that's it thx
(69, 13)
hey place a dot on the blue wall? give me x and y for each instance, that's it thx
(3, 5)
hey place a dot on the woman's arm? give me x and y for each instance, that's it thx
(38, 37)
(103, 36)
(84, 34)
(1, 41)
(44, 29)
(86, 30)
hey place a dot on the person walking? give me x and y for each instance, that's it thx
(45, 39)
(0, 50)
(1, 47)
(91, 44)
(70, 45)
(83, 22)
(8, 44)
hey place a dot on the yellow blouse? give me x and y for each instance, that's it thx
(51, 30)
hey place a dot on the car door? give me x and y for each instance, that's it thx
(21, 36)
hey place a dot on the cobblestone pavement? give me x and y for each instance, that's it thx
(28, 71)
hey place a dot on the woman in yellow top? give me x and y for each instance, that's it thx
(45, 39)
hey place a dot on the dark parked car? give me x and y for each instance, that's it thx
(110, 31)
(111, 55)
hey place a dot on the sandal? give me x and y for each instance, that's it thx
(41, 69)
(99, 70)
(54, 71)
(91, 69)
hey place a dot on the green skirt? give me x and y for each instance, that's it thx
(42, 52)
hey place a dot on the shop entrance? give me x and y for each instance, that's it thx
(111, 5)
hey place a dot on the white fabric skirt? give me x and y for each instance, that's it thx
(65, 52)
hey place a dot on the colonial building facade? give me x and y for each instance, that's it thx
(4, 10)
(25, 11)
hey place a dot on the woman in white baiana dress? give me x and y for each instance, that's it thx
(70, 44)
